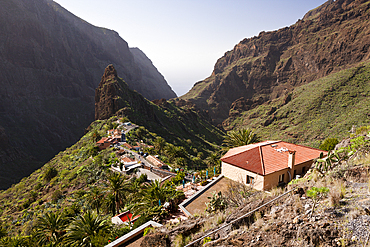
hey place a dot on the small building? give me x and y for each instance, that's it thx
(124, 218)
(268, 164)
(156, 162)
(106, 142)
(103, 143)
(129, 164)
(128, 146)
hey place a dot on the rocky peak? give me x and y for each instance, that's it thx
(109, 73)
(108, 96)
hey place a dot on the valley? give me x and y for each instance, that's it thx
(94, 143)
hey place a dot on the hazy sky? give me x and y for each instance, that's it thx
(184, 38)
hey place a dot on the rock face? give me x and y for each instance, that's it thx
(330, 38)
(154, 86)
(50, 65)
(114, 97)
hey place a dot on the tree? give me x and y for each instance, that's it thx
(95, 198)
(316, 194)
(240, 137)
(116, 187)
(84, 228)
(159, 143)
(170, 151)
(3, 232)
(50, 173)
(213, 160)
(50, 228)
(96, 136)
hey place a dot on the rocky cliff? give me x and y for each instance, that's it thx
(114, 97)
(155, 85)
(50, 65)
(330, 38)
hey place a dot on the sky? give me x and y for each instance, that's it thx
(184, 38)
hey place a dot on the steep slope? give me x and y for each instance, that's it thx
(154, 81)
(330, 38)
(113, 97)
(50, 64)
(327, 107)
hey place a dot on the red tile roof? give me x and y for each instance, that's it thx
(268, 157)
(102, 140)
(125, 216)
(127, 145)
(127, 159)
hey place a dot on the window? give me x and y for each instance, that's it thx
(250, 179)
(281, 178)
(303, 170)
(294, 174)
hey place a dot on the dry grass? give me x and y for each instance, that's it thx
(337, 192)
(298, 206)
(354, 213)
(276, 191)
(258, 219)
(236, 193)
(217, 219)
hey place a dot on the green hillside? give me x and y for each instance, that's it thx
(65, 184)
(327, 107)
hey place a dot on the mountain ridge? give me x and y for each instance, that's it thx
(50, 65)
(332, 37)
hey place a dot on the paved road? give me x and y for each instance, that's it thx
(151, 175)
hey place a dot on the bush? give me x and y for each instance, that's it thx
(329, 144)
(50, 173)
(141, 220)
(56, 196)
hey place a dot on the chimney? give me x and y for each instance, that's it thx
(291, 159)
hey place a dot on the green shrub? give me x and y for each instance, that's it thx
(50, 173)
(56, 196)
(26, 204)
(148, 230)
(38, 186)
(329, 144)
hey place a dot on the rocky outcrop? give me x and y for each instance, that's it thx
(328, 39)
(50, 65)
(114, 97)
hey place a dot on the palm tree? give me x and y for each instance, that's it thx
(170, 151)
(240, 137)
(84, 228)
(110, 204)
(159, 144)
(152, 194)
(116, 187)
(213, 159)
(95, 198)
(50, 228)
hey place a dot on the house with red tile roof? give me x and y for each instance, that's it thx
(124, 218)
(268, 164)
(103, 143)
(106, 142)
